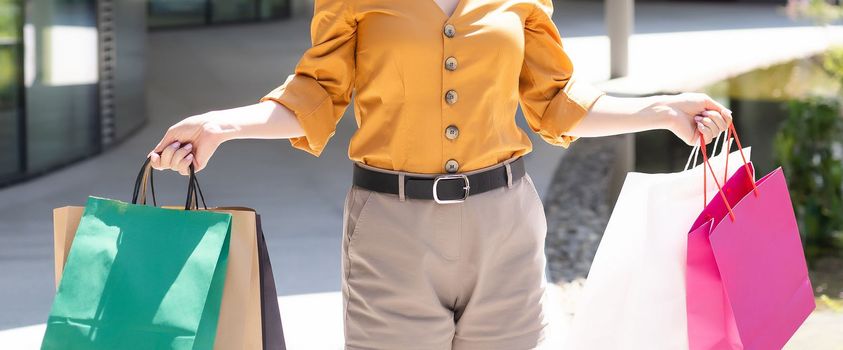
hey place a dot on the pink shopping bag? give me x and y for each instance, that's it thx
(747, 280)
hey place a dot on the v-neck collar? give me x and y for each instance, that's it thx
(460, 5)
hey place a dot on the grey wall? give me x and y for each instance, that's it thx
(130, 70)
(304, 8)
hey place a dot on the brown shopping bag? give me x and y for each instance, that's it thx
(273, 334)
(249, 316)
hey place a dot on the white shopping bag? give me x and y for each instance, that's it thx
(634, 294)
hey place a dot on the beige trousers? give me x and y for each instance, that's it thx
(421, 275)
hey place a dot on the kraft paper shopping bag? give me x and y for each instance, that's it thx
(273, 333)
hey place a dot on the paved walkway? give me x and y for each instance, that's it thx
(684, 46)
(195, 70)
(313, 321)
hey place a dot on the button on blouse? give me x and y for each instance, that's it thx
(414, 72)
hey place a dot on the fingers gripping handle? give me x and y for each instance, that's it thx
(749, 170)
(194, 192)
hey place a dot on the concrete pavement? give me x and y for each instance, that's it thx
(311, 321)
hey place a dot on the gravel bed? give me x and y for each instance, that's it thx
(577, 208)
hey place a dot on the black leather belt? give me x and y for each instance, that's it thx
(444, 188)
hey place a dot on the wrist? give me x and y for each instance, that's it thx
(659, 110)
(218, 126)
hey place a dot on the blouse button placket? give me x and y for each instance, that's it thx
(451, 96)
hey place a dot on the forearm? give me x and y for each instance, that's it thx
(609, 115)
(263, 120)
(612, 115)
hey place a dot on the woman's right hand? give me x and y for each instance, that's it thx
(192, 140)
(195, 139)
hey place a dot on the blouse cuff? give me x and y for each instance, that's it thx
(566, 110)
(312, 107)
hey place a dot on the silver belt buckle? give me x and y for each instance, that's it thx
(446, 177)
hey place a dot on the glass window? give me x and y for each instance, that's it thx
(62, 121)
(10, 85)
(168, 13)
(234, 10)
(273, 9)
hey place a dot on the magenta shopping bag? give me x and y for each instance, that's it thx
(747, 280)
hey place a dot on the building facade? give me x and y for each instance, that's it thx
(72, 72)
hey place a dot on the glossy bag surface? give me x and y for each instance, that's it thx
(747, 279)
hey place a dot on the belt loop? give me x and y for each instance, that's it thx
(508, 175)
(401, 186)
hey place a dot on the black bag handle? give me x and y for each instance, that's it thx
(194, 192)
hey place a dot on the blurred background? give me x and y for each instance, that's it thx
(88, 87)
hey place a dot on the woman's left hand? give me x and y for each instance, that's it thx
(691, 113)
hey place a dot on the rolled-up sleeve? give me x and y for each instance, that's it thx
(552, 99)
(319, 90)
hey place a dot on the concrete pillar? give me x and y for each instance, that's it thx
(623, 162)
(301, 8)
(619, 24)
(620, 20)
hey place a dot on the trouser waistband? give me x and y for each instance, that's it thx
(443, 188)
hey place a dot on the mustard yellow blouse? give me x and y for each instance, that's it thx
(434, 93)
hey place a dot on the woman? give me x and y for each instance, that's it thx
(443, 231)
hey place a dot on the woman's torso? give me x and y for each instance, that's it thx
(405, 65)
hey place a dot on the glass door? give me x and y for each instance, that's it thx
(11, 88)
(62, 82)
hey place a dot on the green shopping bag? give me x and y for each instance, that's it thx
(141, 277)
